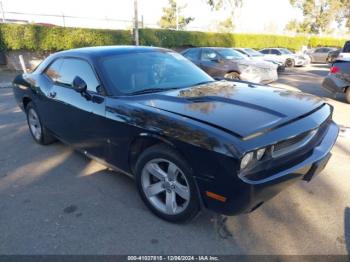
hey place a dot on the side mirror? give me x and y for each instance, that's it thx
(79, 85)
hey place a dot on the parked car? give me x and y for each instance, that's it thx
(189, 141)
(338, 79)
(285, 56)
(345, 52)
(228, 63)
(320, 54)
(332, 56)
(255, 55)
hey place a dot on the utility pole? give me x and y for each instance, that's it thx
(177, 15)
(136, 24)
(2, 12)
(63, 20)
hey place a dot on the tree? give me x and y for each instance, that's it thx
(168, 19)
(219, 4)
(298, 27)
(226, 25)
(319, 15)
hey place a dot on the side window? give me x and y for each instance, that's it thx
(192, 54)
(208, 55)
(265, 51)
(72, 67)
(275, 52)
(53, 71)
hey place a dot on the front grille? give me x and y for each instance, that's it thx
(289, 145)
(289, 142)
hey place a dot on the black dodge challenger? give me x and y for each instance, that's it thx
(190, 142)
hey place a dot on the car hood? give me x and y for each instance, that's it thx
(241, 109)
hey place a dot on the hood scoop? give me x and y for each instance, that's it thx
(215, 99)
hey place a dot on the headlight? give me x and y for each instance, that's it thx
(246, 159)
(252, 156)
(260, 153)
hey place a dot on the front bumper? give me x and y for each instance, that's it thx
(250, 194)
(301, 62)
(263, 76)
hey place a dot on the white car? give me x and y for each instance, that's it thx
(257, 56)
(286, 56)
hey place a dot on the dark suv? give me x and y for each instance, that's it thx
(338, 79)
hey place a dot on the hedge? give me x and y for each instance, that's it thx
(43, 38)
(171, 38)
(326, 41)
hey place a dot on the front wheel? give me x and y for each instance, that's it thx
(40, 134)
(166, 185)
(232, 76)
(290, 63)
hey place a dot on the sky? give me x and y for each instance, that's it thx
(255, 16)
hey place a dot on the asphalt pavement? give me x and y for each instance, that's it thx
(56, 201)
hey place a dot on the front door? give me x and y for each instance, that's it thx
(210, 63)
(78, 119)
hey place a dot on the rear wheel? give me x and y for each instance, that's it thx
(290, 63)
(166, 185)
(232, 76)
(347, 95)
(40, 134)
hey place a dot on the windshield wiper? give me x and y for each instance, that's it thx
(152, 90)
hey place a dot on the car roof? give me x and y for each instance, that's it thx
(98, 51)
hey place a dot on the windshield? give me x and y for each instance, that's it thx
(229, 53)
(158, 71)
(285, 51)
(252, 52)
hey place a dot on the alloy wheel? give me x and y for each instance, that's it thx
(165, 186)
(34, 124)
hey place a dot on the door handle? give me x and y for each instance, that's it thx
(52, 94)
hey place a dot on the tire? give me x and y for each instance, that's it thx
(232, 76)
(347, 95)
(290, 63)
(38, 131)
(174, 195)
